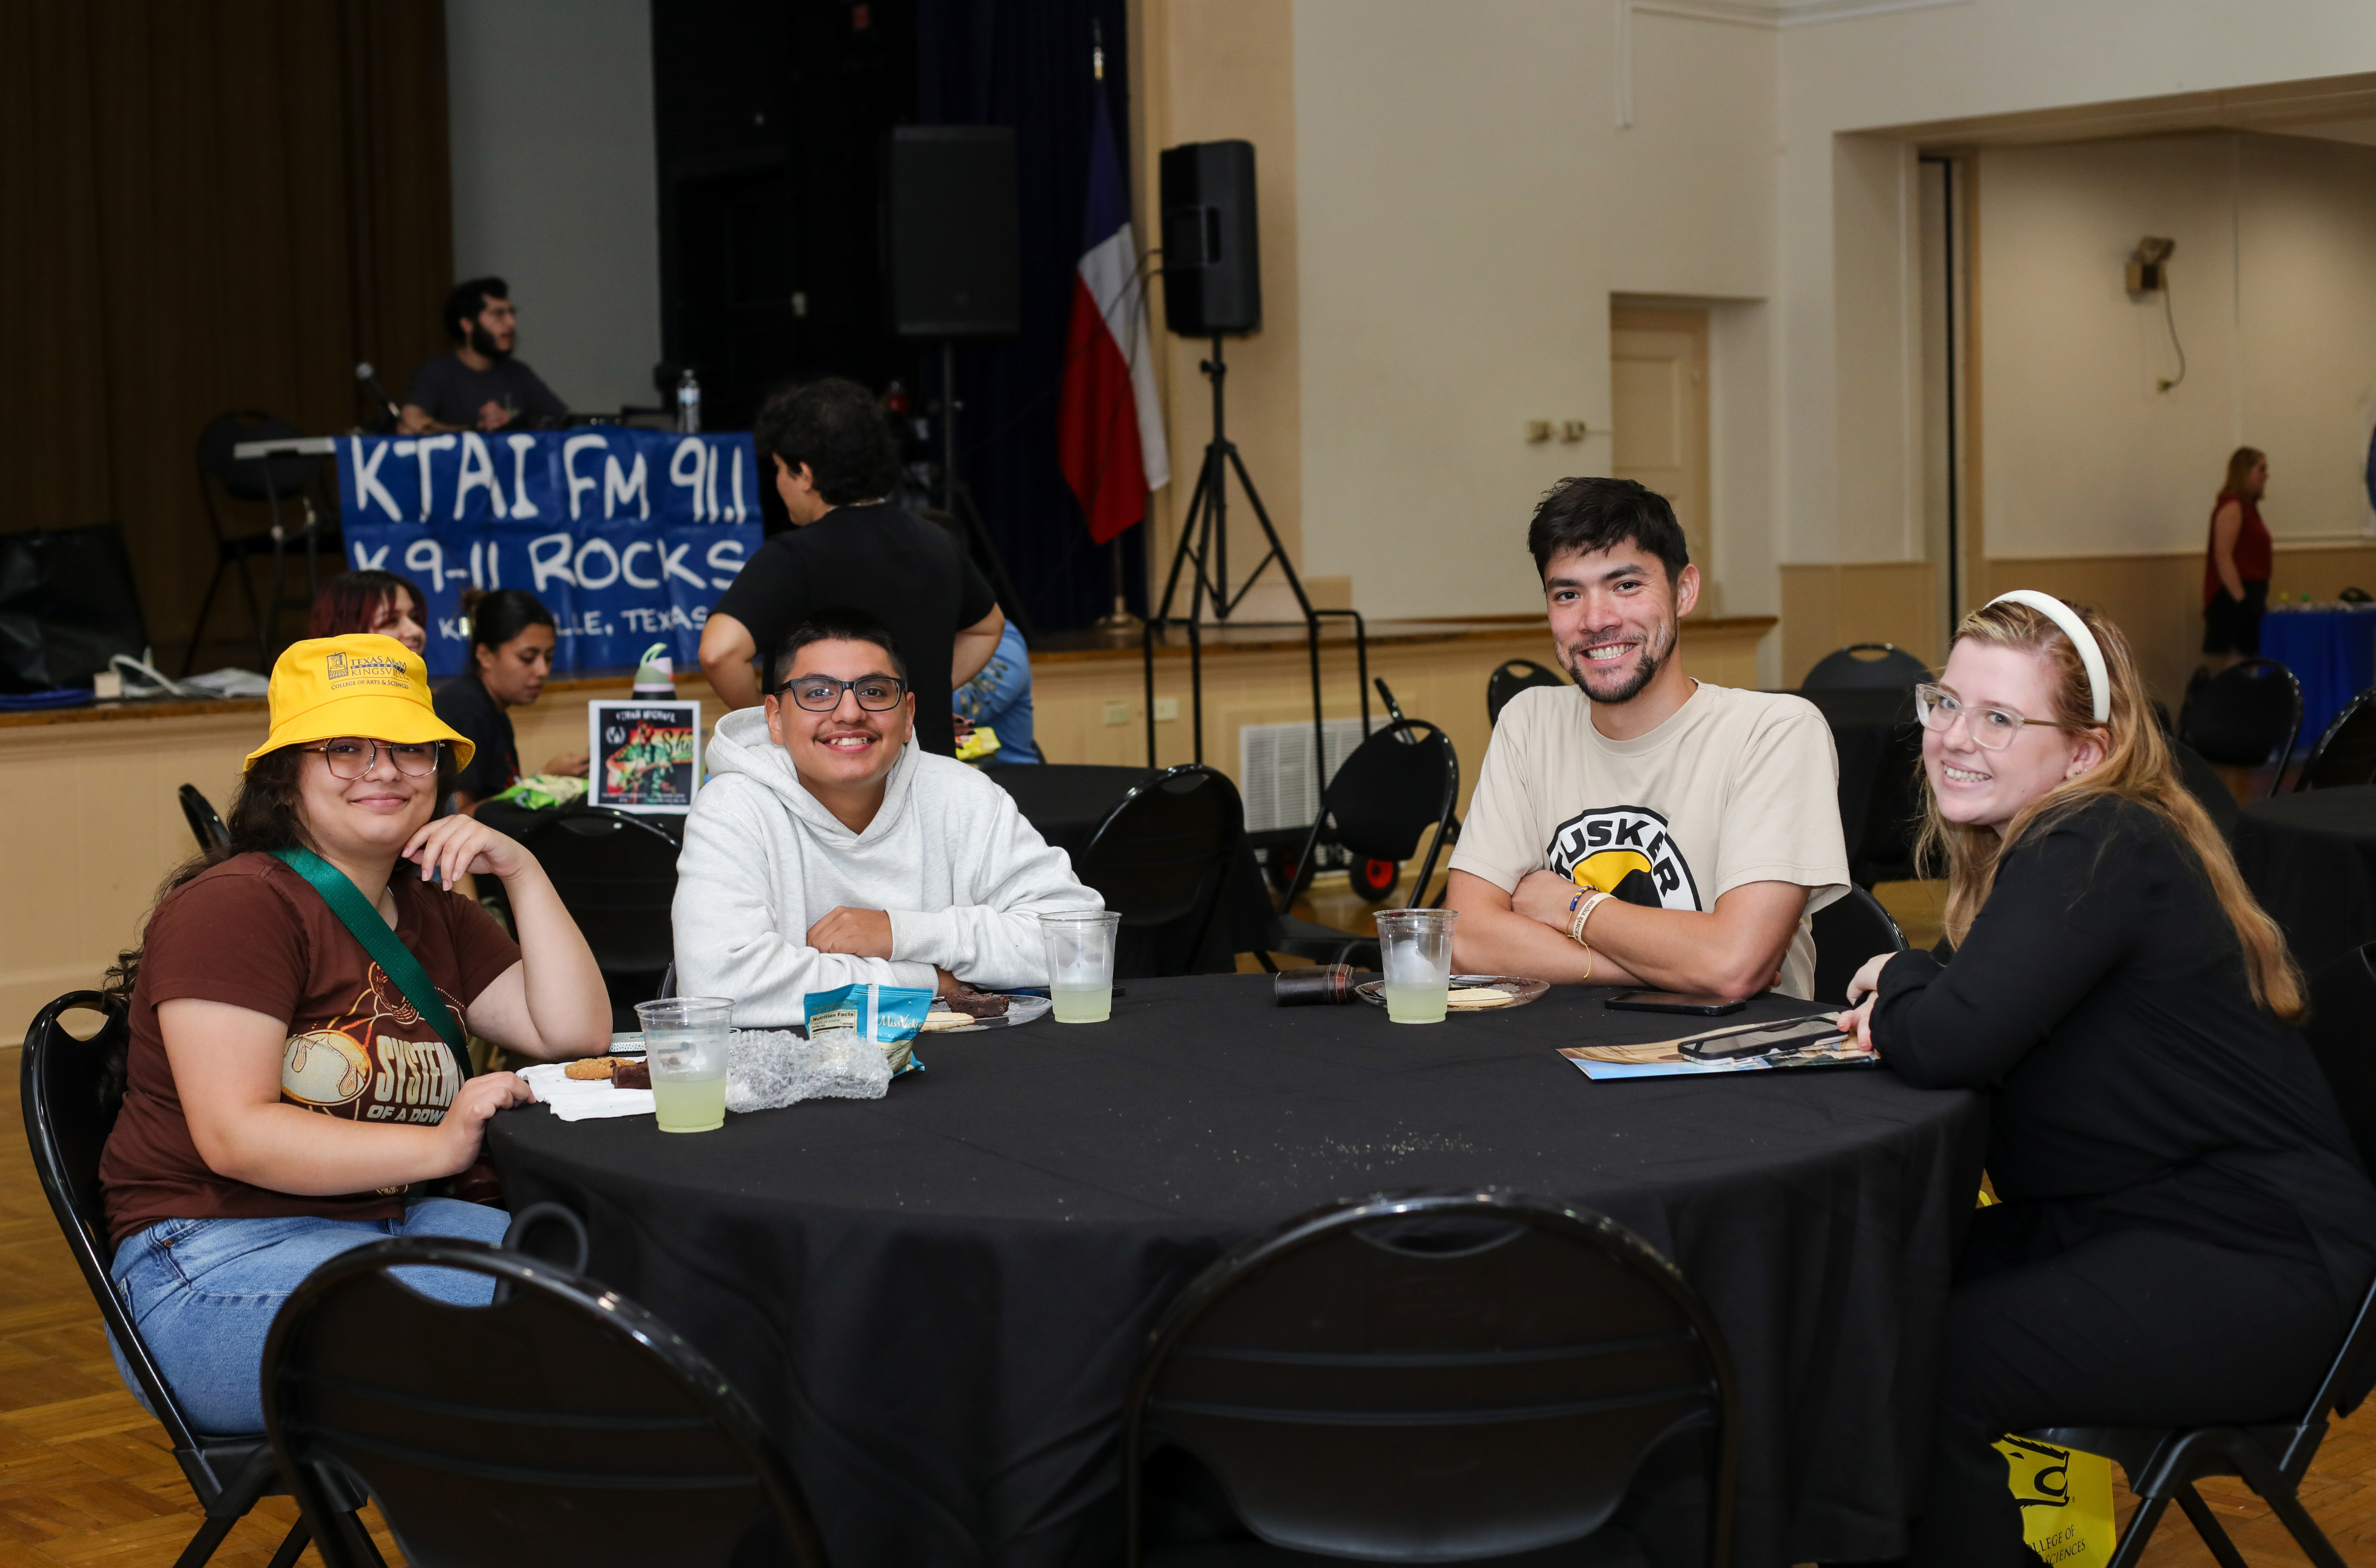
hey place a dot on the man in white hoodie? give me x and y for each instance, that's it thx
(828, 850)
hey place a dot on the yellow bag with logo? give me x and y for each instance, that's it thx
(2066, 1502)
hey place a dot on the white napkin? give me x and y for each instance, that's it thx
(580, 1100)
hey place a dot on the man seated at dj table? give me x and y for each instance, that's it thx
(479, 386)
(1641, 827)
(826, 850)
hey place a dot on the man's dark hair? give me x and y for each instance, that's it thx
(1592, 514)
(834, 623)
(838, 429)
(469, 298)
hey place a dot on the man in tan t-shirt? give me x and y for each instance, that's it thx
(1710, 815)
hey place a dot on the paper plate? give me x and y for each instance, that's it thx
(1519, 990)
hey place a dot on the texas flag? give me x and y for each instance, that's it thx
(1108, 427)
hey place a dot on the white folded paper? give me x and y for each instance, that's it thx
(581, 1100)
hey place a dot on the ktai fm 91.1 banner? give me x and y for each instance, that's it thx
(628, 536)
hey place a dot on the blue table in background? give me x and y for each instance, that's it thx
(2331, 648)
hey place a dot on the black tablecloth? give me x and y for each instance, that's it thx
(936, 1300)
(2310, 858)
(1066, 802)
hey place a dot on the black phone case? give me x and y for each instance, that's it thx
(1620, 1004)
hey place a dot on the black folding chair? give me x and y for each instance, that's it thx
(1404, 779)
(1849, 931)
(2210, 791)
(616, 873)
(2342, 1035)
(2345, 754)
(559, 1424)
(1513, 677)
(2244, 715)
(1161, 857)
(270, 480)
(2163, 1464)
(1885, 847)
(72, 1089)
(1866, 665)
(1434, 1377)
(206, 823)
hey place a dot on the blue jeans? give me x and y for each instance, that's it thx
(204, 1293)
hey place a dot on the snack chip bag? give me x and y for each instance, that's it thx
(890, 1016)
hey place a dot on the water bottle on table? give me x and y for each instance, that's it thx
(688, 402)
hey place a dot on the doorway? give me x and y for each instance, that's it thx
(1658, 419)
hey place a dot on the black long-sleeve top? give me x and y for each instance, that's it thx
(2101, 993)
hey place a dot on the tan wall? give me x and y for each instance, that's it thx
(1829, 606)
(1206, 72)
(2155, 599)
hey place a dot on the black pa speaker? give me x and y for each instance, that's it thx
(950, 253)
(1212, 261)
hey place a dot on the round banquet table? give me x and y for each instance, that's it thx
(936, 1300)
(2310, 859)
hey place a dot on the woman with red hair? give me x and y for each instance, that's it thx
(381, 602)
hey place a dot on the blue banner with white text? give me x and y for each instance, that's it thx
(628, 536)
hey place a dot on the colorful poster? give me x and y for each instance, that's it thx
(647, 755)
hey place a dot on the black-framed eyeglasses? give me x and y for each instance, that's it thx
(821, 693)
(351, 756)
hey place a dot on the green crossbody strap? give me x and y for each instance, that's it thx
(389, 951)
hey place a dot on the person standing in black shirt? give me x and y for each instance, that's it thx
(2184, 1232)
(835, 460)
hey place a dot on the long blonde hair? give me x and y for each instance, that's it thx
(2136, 766)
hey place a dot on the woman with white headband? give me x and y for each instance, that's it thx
(2184, 1232)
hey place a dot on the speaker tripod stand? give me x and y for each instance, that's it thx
(1204, 541)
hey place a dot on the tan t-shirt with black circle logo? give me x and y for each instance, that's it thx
(1735, 787)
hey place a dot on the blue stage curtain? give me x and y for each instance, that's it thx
(1026, 64)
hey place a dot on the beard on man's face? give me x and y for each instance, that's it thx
(1647, 664)
(484, 341)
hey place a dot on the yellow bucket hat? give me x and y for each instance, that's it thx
(362, 684)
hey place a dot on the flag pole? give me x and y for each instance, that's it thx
(1120, 622)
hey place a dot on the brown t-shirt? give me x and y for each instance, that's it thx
(254, 933)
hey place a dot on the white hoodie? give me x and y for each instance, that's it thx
(949, 857)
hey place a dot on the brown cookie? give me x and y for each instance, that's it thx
(632, 1076)
(975, 1004)
(591, 1067)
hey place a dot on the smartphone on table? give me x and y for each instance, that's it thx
(1701, 1005)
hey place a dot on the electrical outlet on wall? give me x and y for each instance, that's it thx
(1117, 713)
(1166, 709)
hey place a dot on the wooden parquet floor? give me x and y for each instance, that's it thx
(87, 1477)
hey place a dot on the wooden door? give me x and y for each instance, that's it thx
(1659, 381)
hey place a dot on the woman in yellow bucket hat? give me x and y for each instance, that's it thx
(296, 1075)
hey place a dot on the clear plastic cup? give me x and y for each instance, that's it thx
(684, 1040)
(1416, 947)
(1080, 963)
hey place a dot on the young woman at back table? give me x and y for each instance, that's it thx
(371, 602)
(2185, 1233)
(284, 1098)
(511, 657)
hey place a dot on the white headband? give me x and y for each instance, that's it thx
(2099, 683)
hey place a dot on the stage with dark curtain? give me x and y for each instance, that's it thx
(234, 203)
(1026, 64)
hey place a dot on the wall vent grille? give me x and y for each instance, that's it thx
(1274, 769)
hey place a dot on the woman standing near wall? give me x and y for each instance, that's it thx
(2236, 567)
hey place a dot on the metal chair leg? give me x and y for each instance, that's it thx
(358, 1542)
(293, 1546)
(2305, 1530)
(2206, 1524)
(2140, 1528)
(202, 1545)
